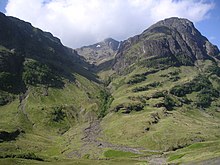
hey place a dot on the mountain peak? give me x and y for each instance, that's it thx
(99, 52)
(109, 40)
(175, 21)
(172, 38)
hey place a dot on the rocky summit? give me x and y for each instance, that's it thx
(151, 99)
(173, 38)
(100, 52)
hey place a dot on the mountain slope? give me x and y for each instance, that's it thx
(165, 85)
(174, 39)
(45, 91)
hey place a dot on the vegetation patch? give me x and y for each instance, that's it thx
(141, 98)
(213, 69)
(172, 76)
(118, 154)
(9, 136)
(106, 100)
(161, 62)
(175, 157)
(169, 102)
(198, 145)
(202, 85)
(38, 73)
(137, 79)
(10, 71)
(146, 87)
(58, 115)
(7, 81)
(30, 156)
(129, 107)
(5, 98)
(159, 94)
(197, 84)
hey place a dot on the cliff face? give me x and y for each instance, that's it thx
(99, 52)
(172, 38)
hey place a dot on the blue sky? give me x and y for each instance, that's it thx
(3, 4)
(83, 22)
(210, 27)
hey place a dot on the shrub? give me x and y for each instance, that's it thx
(29, 156)
(203, 100)
(146, 87)
(158, 94)
(200, 84)
(169, 102)
(174, 78)
(106, 100)
(58, 114)
(184, 100)
(127, 108)
(214, 69)
(136, 79)
(158, 62)
(5, 98)
(180, 90)
(141, 88)
(9, 81)
(37, 73)
(197, 84)
(205, 97)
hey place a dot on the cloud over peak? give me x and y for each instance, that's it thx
(84, 22)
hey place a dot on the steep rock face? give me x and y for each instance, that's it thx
(99, 52)
(32, 42)
(173, 38)
(30, 56)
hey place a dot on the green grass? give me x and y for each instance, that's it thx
(196, 152)
(54, 124)
(174, 157)
(71, 162)
(78, 101)
(118, 154)
(184, 126)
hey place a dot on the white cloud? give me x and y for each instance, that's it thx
(83, 22)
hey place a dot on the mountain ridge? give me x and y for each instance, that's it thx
(173, 36)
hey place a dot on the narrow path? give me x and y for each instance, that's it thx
(22, 101)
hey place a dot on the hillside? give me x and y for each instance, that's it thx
(165, 85)
(153, 98)
(45, 90)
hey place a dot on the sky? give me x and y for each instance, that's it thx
(83, 22)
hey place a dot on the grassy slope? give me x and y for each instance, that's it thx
(43, 136)
(184, 134)
(182, 127)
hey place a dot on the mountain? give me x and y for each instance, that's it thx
(174, 39)
(99, 52)
(165, 84)
(45, 90)
(153, 98)
(30, 56)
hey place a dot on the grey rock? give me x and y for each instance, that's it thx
(176, 38)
